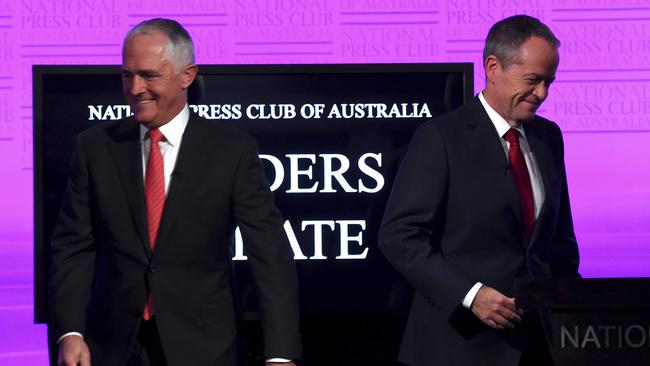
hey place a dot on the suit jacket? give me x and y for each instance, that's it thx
(102, 267)
(454, 218)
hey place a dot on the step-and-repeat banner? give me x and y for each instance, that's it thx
(601, 98)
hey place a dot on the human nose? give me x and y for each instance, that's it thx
(135, 85)
(541, 91)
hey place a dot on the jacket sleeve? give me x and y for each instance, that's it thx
(411, 230)
(269, 256)
(72, 252)
(564, 254)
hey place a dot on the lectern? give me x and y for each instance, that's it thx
(604, 321)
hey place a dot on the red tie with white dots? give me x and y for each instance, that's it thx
(154, 195)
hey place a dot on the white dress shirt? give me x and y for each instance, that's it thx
(169, 145)
(502, 126)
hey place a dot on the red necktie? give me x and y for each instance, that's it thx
(522, 180)
(154, 196)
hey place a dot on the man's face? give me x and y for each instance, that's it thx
(152, 87)
(516, 92)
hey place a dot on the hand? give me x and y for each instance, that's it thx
(73, 351)
(494, 309)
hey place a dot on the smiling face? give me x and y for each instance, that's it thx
(152, 84)
(518, 90)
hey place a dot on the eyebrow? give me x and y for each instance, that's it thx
(141, 72)
(538, 76)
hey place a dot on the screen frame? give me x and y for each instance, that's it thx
(39, 72)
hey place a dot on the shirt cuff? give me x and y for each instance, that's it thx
(69, 334)
(471, 294)
(277, 359)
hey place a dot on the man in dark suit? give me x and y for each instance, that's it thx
(481, 201)
(141, 254)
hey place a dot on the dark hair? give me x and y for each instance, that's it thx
(507, 35)
(180, 49)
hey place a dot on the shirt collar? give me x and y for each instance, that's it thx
(499, 122)
(172, 130)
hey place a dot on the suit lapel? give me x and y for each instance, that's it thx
(489, 152)
(127, 155)
(539, 145)
(189, 163)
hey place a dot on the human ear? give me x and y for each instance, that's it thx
(188, 74)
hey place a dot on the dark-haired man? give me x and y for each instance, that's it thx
(140, 253)
(480, 201)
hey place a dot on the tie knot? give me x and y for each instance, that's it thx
(155, 135)
(512, 136)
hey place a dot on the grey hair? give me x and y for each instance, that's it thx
(507, 35)
(180, 48)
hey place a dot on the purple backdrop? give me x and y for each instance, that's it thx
(601, 98)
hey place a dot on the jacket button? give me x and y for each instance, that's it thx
(152, 268)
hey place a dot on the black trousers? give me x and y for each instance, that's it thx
(147, 349)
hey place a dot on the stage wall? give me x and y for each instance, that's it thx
(601, 98)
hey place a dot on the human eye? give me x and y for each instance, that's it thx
(532, 80)
(147, 75)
